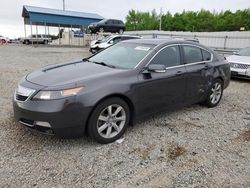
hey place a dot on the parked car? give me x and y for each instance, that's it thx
(103, 94)
(36, 39)
(3, 39)
(97, 45)
(107, 25)
(240, 63)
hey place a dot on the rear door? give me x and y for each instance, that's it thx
(166, 90)
(198, 63)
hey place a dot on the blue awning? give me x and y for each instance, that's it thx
(54, 17)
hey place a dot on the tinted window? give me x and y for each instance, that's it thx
(192, 54)
(116, 39)
(169, 57)
(206, 55)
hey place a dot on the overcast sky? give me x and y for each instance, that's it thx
(11, 22)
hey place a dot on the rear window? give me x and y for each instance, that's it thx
(192, 54)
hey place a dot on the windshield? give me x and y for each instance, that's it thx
(244, 52)
(105, 39)
(123, 55)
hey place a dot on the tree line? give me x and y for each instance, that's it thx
(200, 21)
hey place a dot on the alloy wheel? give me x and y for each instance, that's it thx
(111, 121)
(216, 93)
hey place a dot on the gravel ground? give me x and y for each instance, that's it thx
(190, 147)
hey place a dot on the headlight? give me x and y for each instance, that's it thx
(50, 95)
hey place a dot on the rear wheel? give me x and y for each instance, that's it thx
(101, 30)
(215, 94)
(121, 31)
(109, 120)
(27, 42)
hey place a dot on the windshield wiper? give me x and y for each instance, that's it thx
(104, 64)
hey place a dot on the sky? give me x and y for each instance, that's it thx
(11, 21)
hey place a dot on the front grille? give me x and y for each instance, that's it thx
(21, 97)
(240, 66)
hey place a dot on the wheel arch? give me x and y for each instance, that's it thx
(116, 95)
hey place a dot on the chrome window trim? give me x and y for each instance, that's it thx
(177, 44)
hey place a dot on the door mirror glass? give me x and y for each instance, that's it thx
(157, 68)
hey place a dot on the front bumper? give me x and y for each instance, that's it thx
(241, 73)
(66, 117)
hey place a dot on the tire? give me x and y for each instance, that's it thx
(109, 120)
(215, 93)
(46, 42)
(27, 42)
(120, 31)
(101, 30)
(3, 41)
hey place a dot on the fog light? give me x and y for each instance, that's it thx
(42, 124)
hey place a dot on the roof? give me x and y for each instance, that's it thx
(149, 41)
(55, 17)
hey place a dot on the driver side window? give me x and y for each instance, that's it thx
(169, 56)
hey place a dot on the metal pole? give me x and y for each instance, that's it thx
(36, 36)
(24, 28)
(160, 18)
(69, 37)
(45, 29)
(59, 34)
(31, 33)
(82, 36)
(64, 5)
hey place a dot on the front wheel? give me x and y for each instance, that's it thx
(109, 120)
(214, 94)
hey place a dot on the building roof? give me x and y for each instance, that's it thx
(55, 17)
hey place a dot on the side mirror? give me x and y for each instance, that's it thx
(236, 53)
(111, 42)
(158, 68)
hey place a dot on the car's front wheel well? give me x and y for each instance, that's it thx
(220, 78)
(122, 97)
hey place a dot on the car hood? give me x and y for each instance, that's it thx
(239, 59)
(70, 73)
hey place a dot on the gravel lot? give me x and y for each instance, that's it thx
(190, 147)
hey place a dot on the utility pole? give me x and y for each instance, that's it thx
(160, 18)
(63, 5)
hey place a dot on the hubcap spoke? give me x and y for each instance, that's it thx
(103, 127)
(116, 127)
(103, 118)
(122, 118)
(117, 111)
(110, 110)
(109, 131)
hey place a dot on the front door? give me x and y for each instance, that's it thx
(162, 90)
